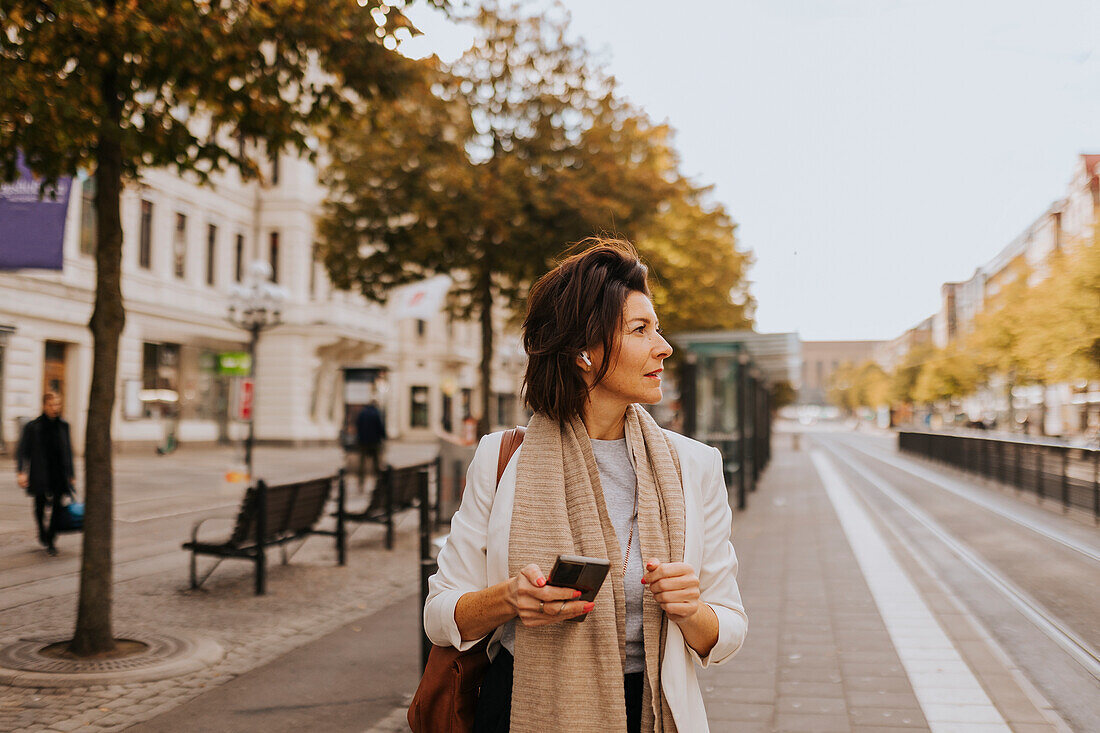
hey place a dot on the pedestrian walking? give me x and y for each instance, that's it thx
(370, 433)
(44, 465)
(595, 476)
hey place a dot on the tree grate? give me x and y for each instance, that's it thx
(25, 655)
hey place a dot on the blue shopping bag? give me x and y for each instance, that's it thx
(70, 518)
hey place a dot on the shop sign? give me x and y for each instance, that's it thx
(235, 364)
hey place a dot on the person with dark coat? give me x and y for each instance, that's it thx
(44, 466)
(370, 431)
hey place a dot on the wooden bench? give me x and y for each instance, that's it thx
(270, 516)
(397, 489)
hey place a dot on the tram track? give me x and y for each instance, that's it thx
(1047, 622)
(932, 477)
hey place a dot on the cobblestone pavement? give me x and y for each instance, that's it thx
(306, 600)
(158, 498)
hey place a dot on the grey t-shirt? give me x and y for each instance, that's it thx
(618, 480)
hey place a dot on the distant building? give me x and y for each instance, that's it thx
(820, 359)
(890, 353)
(185, 247)
(1066, 224)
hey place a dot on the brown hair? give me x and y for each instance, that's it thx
(576, 305)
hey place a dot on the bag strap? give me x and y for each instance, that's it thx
(509, 443)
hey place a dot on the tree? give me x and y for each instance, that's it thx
(1062, 340)
(873, 385)
(516, 149)
(948, 374)
(842, 390)
(903, 379)
(698, 273)
(1079, 309)
(783, 393)
(998, 338)
(116, 86)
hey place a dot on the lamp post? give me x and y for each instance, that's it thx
(255, 305)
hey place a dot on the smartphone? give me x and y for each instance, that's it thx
(585, 574)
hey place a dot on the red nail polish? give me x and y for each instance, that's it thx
(541, 582)
(643, 581)
(589, 606)
(577, 594)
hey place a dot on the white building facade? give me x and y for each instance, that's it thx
(184, 247)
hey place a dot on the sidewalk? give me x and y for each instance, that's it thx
(336, 649)
(826, 627)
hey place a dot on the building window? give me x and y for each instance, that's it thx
(448, 406)
(418, 407)
(211, 252)
(275, 168)
(506, 409)
(160, 378)
(274, 257)
(467, 402)
(88, 221)
(179, 245)
(205, 396)
(238, 266)
(421, 327)
(145, 236)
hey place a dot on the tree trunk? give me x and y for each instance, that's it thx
(93, 633)
(485, 294)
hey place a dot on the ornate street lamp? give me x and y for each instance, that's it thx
(255, 305)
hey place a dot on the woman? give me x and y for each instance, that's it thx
(595, 476)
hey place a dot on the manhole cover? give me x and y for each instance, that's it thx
(23, 664)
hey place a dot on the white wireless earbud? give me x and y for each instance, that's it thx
(584, 356)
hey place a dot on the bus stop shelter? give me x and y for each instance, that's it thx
(725, 396)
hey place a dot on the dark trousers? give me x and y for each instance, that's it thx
(47, 530)
(372, 451)
(494, 703)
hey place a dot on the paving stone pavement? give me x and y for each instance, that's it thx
(818, 656)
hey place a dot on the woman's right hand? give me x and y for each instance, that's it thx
(539, 604)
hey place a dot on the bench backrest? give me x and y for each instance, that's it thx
(405, 483)
(291, 508)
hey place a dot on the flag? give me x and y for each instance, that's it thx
(32, 229)
(421, 299)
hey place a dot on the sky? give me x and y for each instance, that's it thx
(869, 150)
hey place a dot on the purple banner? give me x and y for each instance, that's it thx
(32, 229)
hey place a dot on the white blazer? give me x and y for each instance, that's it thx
(475, 557)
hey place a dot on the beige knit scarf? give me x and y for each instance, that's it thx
(569, 676)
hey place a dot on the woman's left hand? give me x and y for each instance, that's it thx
(675, 586)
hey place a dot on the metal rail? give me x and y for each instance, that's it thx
(1068, 474)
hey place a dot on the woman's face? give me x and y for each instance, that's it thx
(635, 372)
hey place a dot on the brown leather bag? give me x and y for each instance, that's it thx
(446, 699)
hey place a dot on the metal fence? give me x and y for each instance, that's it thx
(1068, 474)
